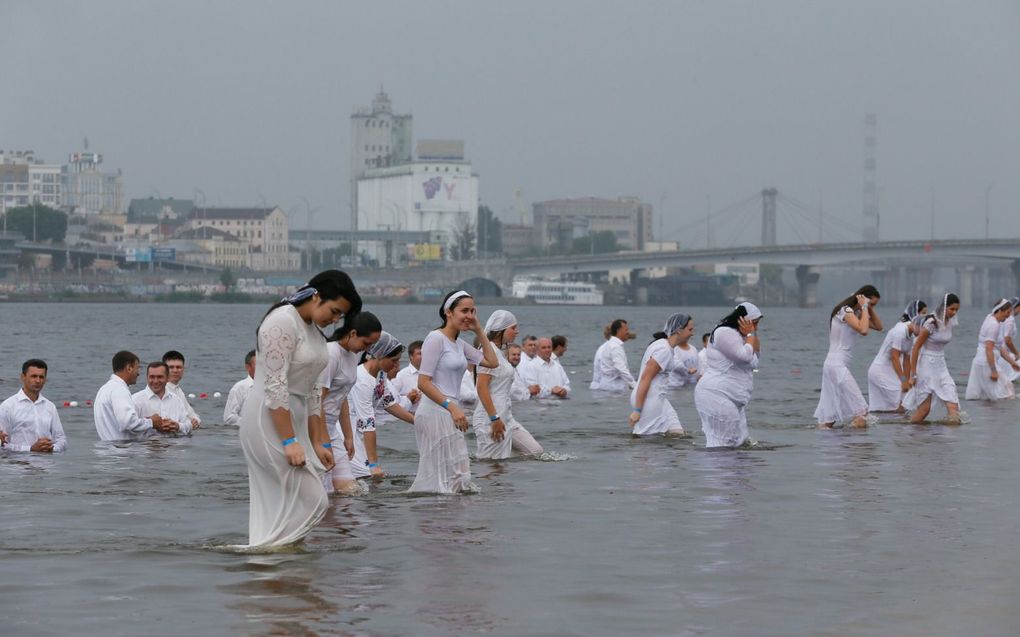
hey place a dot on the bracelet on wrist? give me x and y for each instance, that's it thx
(327, 445)
(446, 404)
(637, 410)
(290, 440)
(373, 465)
(494, 418)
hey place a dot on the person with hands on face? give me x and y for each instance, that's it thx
(439, 422)
(283, 435)
(114, 411)
(651, 412)
(28, 420)
(722, 394)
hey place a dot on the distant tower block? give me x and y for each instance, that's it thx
(871, 219)
(768, 216)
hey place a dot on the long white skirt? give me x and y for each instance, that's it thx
(516, 437)
(933, 379)
(286, 502)
(980, 385)
(723, 420)
(1011, 374)
(841, 400)
(657, 414)
(443, 462)
(341, 463)
(884, 390)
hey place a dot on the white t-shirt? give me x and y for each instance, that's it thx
(445, 361)
(339, 376)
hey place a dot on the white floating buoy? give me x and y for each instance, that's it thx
(191, 395)
(216, 394)
(74, 403)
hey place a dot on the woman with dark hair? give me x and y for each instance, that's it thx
(651, 412)
(282, 434)
(722, 394)
(371, 393)
(888, 376)
(344, 348)
(929, 376)
(497, 432)
(990, 374)
(439, 422)
(686, 368)
(841, 400)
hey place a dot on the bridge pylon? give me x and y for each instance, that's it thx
(807, 280)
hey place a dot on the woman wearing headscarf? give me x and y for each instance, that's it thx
(929, 376)
(990, 374)
(841, 400)
(1007, 340)
(439, 422)
(373, 392)
(652, 412)
(722, 394)
(686, 360)
(889, 375)
(497, 432)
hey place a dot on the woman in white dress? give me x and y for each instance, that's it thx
(497, 432)
(345, 347)
(686, 362)
(929, 376)
(283, 437)
(889, 376)
(990, 374)
(1007, 339)
(371, 393)
(439, 422)
(841, 400)
(609, 370)
(651, 411)
(722, 394)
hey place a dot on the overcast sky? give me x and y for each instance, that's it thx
(678, 102)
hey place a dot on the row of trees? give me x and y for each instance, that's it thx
(39, 223)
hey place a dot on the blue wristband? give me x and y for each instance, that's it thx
(446, 404)
(373, 465)
(289, 440)
(327, 445)
(637, 409)
(494, 418)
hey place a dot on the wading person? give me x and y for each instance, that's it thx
(28, 420)
(889, 375)
(929, 376)
(651, 411)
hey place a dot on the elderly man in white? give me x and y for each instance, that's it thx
(28, 421)
(114, 410)
(156, 398)
(610, 372)
(235, 399)
(547, 373)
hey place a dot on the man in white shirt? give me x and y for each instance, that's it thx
(406, 381)
(519, 390)
(156, 399)
(610, 371)
(529, 349)
(175, 363)
(546, 373)
(114, 410)
(235, 399)
(28, 421)
(559, 345)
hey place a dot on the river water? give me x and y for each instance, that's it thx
(896, 530)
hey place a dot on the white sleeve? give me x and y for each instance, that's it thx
(359, 400)
(619, 363)
(189, 410)
(519, 390)
(989, 331)
(564, 379)
(232, 410)
(278, 340)
(125, 413)
(4, 417)
(732, 346)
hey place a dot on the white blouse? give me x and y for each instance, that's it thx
(445, 361)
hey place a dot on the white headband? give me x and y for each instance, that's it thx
(1001, 305)
(454, 297)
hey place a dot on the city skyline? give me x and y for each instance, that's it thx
(676, 103)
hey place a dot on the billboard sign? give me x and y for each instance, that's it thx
(425, 252)
(443, 193)
(138, 255)
(164, 254)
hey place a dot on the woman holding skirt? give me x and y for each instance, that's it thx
(889, 374)
(722, 394)
(990, 374)
(283, 436)
(841, 400)
(439, 422)
(652, 412)
(497, 432)
(929, 376)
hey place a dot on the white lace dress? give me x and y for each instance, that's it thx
(286, 501)
(515, 436)
(841, 399)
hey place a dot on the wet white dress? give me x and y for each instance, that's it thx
(515, 436)
(286, 501)
(443, 462)
(885, 392)
(337, 378)
(657, 414)
(933, 377)
(980, 385)
(369, 396)
(722, 394)
(841, 400)
(683, 360)
(1007, 328)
